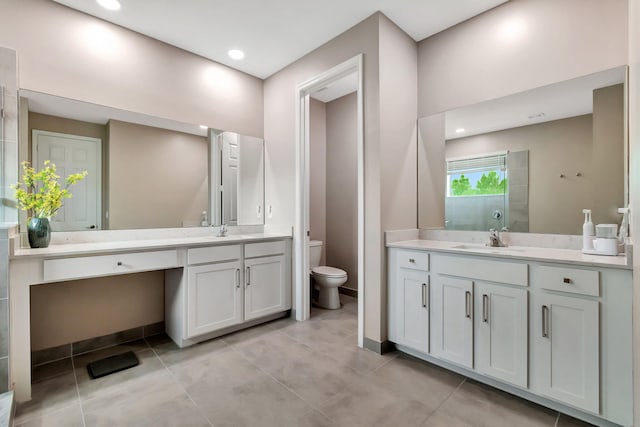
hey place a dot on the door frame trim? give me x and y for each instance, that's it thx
(300, 238)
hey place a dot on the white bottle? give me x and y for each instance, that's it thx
(587, 231)
(204, 222)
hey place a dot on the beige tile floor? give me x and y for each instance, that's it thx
(283, 373)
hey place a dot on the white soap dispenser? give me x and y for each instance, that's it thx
(204, 221)
(624, 227)
(588, 231)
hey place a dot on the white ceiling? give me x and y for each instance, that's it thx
(273, 33)
(557, 101)
(337, 89)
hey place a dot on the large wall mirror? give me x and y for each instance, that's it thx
(144, 172)
(529, 162)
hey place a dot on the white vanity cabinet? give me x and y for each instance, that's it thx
(555, 333)
(452, 320)
(501, 324)
(267, 289)
(224, 287)
(409, 295)
(214, 297)
(566, 336)
(479, 311)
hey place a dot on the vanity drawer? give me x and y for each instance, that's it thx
(252, 250)
(213, 254)
(414, 260)
(573, 280)
(481, 268)
(104, 265)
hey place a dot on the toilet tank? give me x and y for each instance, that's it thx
(315, 251)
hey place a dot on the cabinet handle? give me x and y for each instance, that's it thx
(237, 278)
(248, 275)
(119, 263)
(545, 321)
(485, 308)
(566, 280)
(412, 261)
(426, 304)
(424, 294)
(467, 304)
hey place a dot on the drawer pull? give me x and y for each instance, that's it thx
(545, 321)
(412, 261)
(119, 263)
(467, 304)
(485, 308)
(566, 280)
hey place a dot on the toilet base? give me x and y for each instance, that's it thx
(328, 298)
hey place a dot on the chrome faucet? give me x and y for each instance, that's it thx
(222, 231)
(494, 238)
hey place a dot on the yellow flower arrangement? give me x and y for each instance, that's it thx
(41, 192)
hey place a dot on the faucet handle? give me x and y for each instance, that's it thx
(504, 229)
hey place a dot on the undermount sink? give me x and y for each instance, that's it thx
(485, 248)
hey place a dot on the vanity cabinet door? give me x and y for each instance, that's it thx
(409, 316)
(566, 350)
(265, 286)
(452, 320)
(214, 297)
(501, 315)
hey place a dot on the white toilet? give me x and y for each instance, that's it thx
(327, 279)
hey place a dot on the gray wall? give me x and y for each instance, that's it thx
(552, 41)
(634, 181)
(608, 153)
(555, 204)
(157, 177)
(342, 187)
(58, 55)
(389, 115)
(318, 174)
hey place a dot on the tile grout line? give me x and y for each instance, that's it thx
(311, 405)
(75, 378)
(175, 380)
(445, 400)
(323, 353)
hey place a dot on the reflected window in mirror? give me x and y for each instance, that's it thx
(566, 152)
(476, 195)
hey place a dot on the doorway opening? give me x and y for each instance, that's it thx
(337, 83)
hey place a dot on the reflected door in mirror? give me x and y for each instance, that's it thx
(73, 154)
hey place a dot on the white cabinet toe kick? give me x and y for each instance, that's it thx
(210, 288)
(556, 334)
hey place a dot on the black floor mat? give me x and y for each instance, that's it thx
(112, 364)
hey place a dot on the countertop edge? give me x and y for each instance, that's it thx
(100, 248)
(437, 246)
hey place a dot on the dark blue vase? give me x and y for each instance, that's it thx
(39, 231)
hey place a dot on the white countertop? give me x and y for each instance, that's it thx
(87, 248)
(565, 256)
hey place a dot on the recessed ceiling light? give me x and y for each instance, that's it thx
(460, 130)
(204, 127)
(236, 54)
(110, 4)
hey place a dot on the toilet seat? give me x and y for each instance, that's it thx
(326, 271)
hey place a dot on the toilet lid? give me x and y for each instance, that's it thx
(328, 271)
